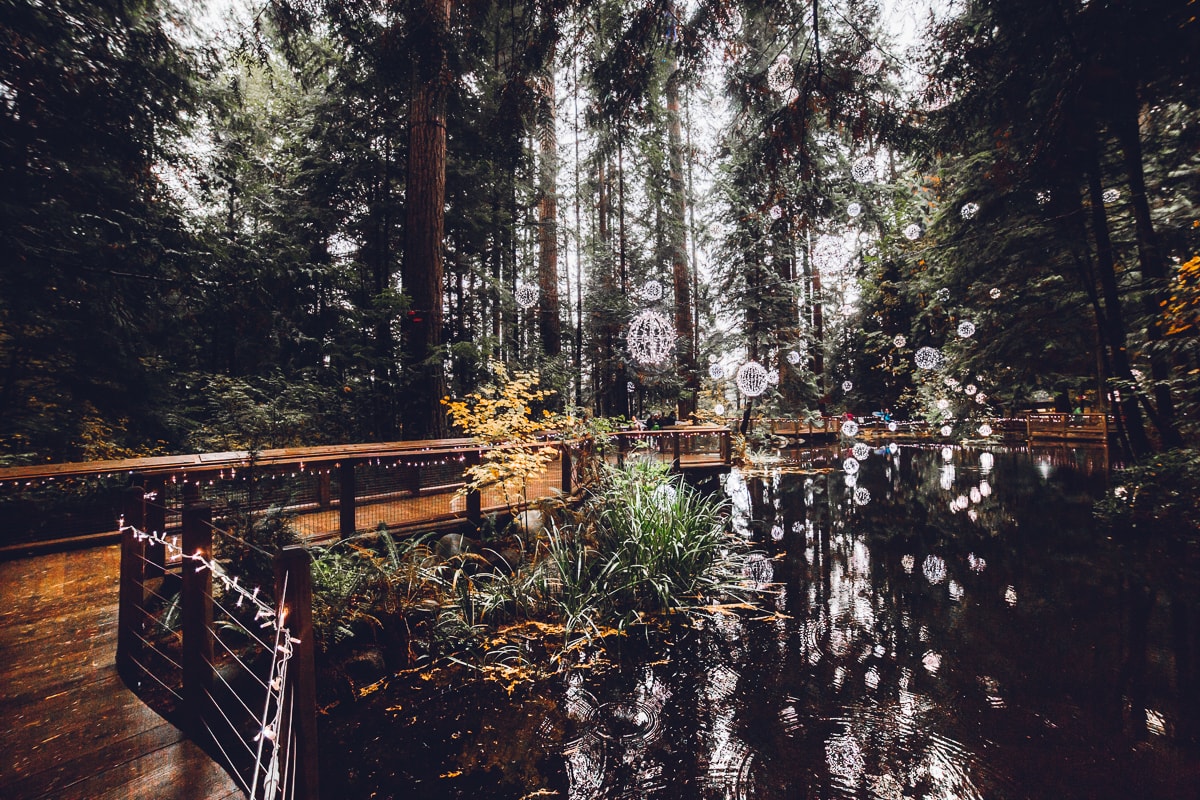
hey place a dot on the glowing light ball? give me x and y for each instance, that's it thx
(850, 465)
(976, 563)
(849, 428)
(934, 568)
(971, 389)
(1043, 197)
(861, 451)
(870, 62)
(844, 758)
(716, 371)
(969, 210)
(1110, 196)
(847, 385)
(893, 427)
(975, 494)
(751, 379)
(981, 398)
(629, 387)
(779, 76)
(526, 297)
(773, 377)
(947, 454)
(899, 340)
(776, 212)
(652, 290)
(912, 231)
(719, 410)
(864, 170)
(861, 496)
(942, 295)
(793, 357)
(829, 253)
(985, 430)
(986, 462)
(664, 495)
(1010, 595)
(942, 404)
(946, 430)
(995, 293)
(966, 329)
(854, 209)
(908, 562)
(929, 358)
(650, 337)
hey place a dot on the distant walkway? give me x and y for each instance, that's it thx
(68, 726)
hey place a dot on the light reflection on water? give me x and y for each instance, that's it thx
(918, 652)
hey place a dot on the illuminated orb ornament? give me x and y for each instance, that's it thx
(773, 377)
(526, 297)
(844, 758)
(931, 661)
(719, 410)
(934, 568)
(850, 465)
(847, 385)
(995, 293)
(863, 170)
(969, 210)
(942, 404)
(1110, 196)
(971, 389)
(912, 231)
(976, 563)
(650, 337)
(716, 371)
(861, 451)
(861, 496)
(929, 358)
(1010, 595)
(946, 430)
(947, 454)
(893, 427)
(942, 295)
(986, 462)
(985, 430)
(849, 428)
(870, 62)
(1043, 197)
(793, 357)
(854, 209)
(908, 561)
(966, 329)
(629, 387)
(981, 398)
(779, 76)
(751, 379)
(975, 494)
(829, 253)
(652, 290)
(776, 212)
(899, 340)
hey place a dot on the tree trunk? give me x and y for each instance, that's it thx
(549, 325)
(425, 223)
(677, 237)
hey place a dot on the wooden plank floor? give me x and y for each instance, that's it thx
(68, 726)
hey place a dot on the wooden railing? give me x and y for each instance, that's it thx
(1067, 427)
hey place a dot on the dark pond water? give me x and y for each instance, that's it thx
(951, 626)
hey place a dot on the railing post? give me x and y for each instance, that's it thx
(156, 522)
(346, 494)
(620, 451)
(564, 450)
(197, 614)
(300, 720)
(474, 498)
(675, 450)
(726, 447)
(131, 593)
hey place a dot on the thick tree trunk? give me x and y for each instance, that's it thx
(677, 236)
(425, 223)
(549, 325)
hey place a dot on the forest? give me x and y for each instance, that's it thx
(309, 221)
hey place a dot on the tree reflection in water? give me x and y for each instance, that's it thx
(977, 639)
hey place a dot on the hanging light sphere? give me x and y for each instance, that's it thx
(1110, 196)
(863, 170)
(847, 385)
(912, 231)
(526, 297)
(870, 62)
(942, 295)
(793, 357)
(929, 358)
(893, 427)
(946, 430)
(849, 428)
(829, 254)
(943, 404)
(981, 398)
(719, 410)
(716, 371)
(861, 496)
(650, 337)
(776, 212)
(1043, 197)
(985, 430)
(850, 465)
(751, 379)
(966, 329)
(854, 209)
(861, 451)
(629, 387)
(652, 290)
(779, 76)
(899, 340)
(969, 210)
(994, 293)
(773, 377)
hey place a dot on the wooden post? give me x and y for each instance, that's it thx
(474, 498)
(131, 594)
(620, 451)
(300, 720)
(564, 450)
(156, 522)
(727, 447)
(676, 440)
(346, 493)
(323, 496)
(196, 616)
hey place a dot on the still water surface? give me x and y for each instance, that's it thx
(939, 625)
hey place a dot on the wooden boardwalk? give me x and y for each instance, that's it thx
(68, 726)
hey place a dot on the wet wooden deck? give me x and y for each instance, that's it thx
(68, 726)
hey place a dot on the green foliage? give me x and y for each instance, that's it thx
(1156, 494)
